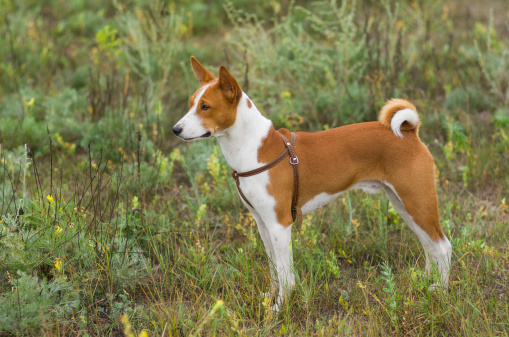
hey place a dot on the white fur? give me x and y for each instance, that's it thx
(191, 123)
(405, 115)
(440, 251)
(368, 186)
(240, 144)
(318, 201)
(240, 149)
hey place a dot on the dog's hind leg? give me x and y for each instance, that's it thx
(421, 215)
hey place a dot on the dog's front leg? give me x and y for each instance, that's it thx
(281, 238)
(269, 249)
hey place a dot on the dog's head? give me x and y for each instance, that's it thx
(213, 105)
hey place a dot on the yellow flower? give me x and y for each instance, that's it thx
(58, 264)
(219, 304)
(286, 95)
(50, 199)
(143, 334)
(58, 230)
(376, 298)
(28, 103)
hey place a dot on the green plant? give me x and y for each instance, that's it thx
(493, 57)
(390, 291)
(32, 304)
(119, 219)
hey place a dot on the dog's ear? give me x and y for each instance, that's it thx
(229, 86)
(202, 74)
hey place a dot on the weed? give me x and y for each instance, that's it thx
(390, 290)
(109, 223)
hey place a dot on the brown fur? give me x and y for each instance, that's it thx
(202, 74)
(222, 97)
(334, 160)
(389, 110)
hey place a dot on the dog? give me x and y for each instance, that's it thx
(385, 154)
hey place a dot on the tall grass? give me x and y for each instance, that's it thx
(110, 226)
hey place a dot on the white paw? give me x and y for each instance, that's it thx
(435, 288)
(275, 308)
(269, 293)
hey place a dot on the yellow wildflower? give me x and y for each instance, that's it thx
(219, 304)
(58, 230)
(28, 103)
(286, 95)
(50, 199)
(58, 264)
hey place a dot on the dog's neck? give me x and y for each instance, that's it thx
(241, 141)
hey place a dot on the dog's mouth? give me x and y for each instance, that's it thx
(205, 135)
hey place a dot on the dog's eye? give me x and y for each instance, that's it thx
(205, 107)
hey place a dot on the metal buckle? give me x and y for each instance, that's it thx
(294, 160)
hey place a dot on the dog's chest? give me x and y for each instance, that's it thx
(255, 188)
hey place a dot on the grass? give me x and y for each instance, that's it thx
(110, 226)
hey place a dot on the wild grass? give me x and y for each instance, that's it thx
(110, 226)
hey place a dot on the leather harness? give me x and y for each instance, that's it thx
(296, 211)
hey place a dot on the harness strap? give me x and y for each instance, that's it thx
(294, 160)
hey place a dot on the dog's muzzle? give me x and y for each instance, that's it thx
(176, 130)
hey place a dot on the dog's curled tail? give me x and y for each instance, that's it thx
(399, 114)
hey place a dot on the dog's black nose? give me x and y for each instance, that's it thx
(176, 130)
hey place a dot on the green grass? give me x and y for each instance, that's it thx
(110, 226)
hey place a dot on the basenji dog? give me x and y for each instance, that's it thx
(386, 154)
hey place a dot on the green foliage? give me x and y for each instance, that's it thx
(320, 47)
(108, 41)
(502, 118)
(50, 250)
(105, 215)
(33, 303)
(390, 290)
(333, 268)
(493, 57)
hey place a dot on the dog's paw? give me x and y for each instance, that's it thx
(438, 288)
(275, 308)
(269, 293)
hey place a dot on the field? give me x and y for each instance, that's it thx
(111, 226)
